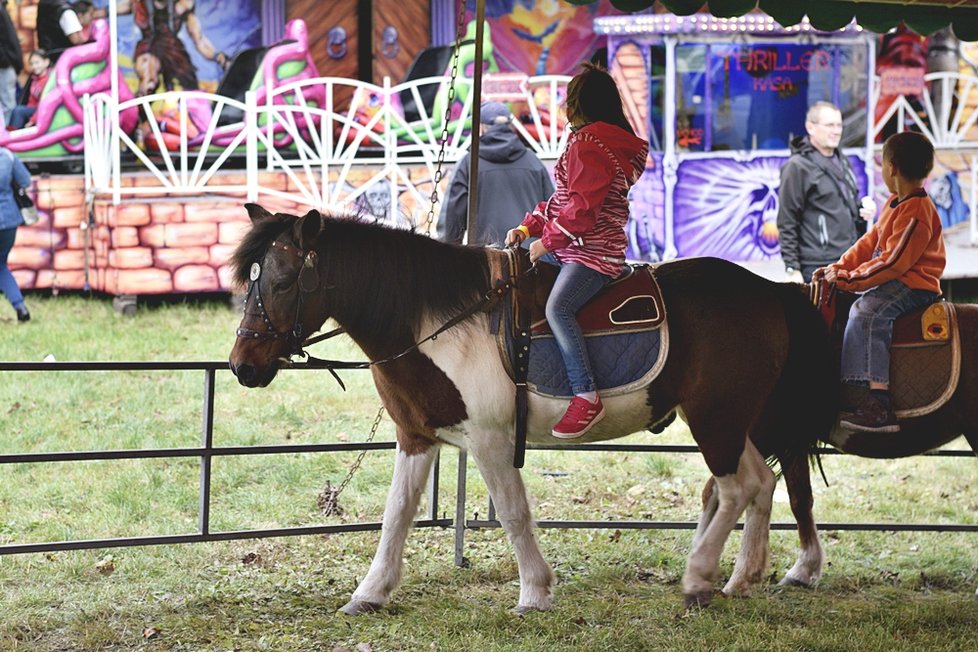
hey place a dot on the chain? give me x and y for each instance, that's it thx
(448, 115)
(329, 498)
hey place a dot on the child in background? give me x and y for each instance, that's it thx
(24, 113)
(583, 224)
(897, 267)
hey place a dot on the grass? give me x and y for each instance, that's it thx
(616, 590)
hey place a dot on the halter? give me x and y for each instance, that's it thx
(292, 337)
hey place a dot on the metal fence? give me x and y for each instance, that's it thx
(207, 451)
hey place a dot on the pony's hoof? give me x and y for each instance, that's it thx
(357, 607)
(697, 600)
(523, 609)
(794, 581)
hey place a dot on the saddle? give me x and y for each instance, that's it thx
(624, 329)
(925, 354)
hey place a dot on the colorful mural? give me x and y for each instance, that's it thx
(182, 44)
(540, 37)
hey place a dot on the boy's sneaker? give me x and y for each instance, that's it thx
(580, 416)
(23, 315)
(871, 416)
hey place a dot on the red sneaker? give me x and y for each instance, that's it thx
(580, 416)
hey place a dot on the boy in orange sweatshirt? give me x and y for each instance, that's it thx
(897, 267)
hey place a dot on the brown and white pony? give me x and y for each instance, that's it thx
(743, 355)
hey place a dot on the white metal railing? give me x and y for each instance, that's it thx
(951, 124)
(320, 133)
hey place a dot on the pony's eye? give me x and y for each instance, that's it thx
(281, 286)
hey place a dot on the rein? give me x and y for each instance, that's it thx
(502, 288)
(297, 345)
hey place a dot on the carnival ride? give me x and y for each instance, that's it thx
(58, 133)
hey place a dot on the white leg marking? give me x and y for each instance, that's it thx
(807, 570)
(493, 452)
(753, 557)
(706, 516)
(735, 492)
(407, 486)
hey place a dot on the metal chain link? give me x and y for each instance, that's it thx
(448, 115)
(329, 498)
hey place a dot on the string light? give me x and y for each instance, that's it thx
(702, 23)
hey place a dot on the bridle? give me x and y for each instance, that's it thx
(294, 336)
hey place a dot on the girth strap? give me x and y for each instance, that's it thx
(522, 319)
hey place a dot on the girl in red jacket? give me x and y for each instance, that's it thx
(583, 225)
(897, 266)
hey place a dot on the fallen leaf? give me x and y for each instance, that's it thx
(150, 633)
(14, 407)
(615, 536)
(251, 558)
(364, 647)
(106, 566)
(342, 436)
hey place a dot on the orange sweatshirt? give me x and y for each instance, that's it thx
(905, 244)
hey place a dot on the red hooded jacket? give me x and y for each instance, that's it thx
(584, 220)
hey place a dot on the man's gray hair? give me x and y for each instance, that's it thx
(816, 109)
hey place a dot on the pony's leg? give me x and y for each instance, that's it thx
(808, 568)
(407, 486)
(754, 551)
(493, 453)
(711, 500)
(735, 491)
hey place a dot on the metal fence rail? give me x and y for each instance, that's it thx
(206, 452)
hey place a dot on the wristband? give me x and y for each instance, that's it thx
(525, 231)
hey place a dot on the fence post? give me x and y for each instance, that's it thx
(460, 560)
(207, 442)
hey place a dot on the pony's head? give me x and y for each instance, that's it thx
(279, 264)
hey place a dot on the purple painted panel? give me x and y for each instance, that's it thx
(729, 208)
(646, 229)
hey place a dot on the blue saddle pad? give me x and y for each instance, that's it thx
(617, 360)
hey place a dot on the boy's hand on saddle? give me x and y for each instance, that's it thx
(827, 274)
(537, 250)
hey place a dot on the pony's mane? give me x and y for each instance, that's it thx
(386, 276)
(381, 276)
(254, 245)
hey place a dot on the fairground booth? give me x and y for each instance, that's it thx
(150, 137)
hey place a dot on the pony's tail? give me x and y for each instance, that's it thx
(809, 387)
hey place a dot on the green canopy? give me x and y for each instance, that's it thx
(924, 17)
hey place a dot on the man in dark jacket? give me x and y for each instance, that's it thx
(819, 213)
(11, 61)
(62, 24)
(512, 180)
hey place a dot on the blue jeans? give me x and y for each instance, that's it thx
(866, 343)
(575, 286)
(19, 116)
(7, 283)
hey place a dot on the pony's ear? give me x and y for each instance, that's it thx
(307, 229)
(257, 213)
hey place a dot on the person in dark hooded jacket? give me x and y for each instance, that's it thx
(512, 180)
(819, 212)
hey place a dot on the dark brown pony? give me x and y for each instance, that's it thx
(957, 417)
(743, 355)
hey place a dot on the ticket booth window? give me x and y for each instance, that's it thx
(754, 96)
